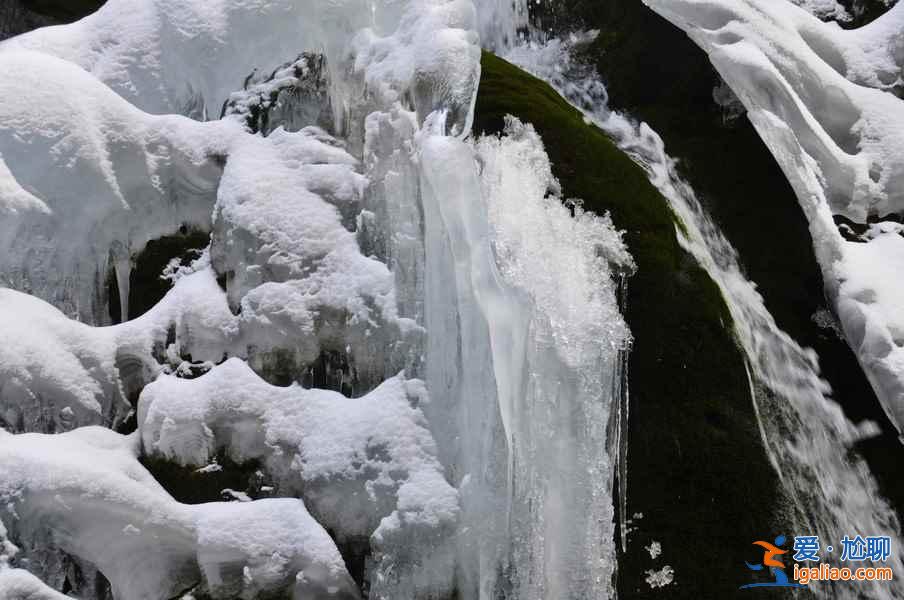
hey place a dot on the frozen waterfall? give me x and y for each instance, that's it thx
(398, 368)
(358, 240)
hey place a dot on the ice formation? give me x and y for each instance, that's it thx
(825, 102)
(359, 244)
(802, 426)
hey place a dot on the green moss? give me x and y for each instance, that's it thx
(697, 468)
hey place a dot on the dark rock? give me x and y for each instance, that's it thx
(697, 467)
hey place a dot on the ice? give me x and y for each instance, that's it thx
(173, 56)
(566, 371)
(824, 101)
(661, 578)
(446, 385)
(85, 175)
(85, 492)
(529, 385)
(802, 426)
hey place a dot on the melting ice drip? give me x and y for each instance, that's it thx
(803, 429)
(477, 375)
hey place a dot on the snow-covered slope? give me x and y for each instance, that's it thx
(826, 102)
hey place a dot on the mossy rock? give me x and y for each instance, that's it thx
(697, 466)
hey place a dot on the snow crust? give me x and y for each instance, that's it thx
(825, 102)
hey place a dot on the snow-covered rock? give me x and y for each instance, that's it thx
(86, 493)
(352, 459)
(87, 180)
(825, 102)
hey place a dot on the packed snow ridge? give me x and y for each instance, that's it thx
(359, 241)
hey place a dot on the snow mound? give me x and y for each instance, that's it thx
(63, 374)
(825, 102)
(19, 584)
(293, 269)
(354, 460)
(85, 492)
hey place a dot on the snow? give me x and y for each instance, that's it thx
(63, 374)
(88, 178)
(384, 251)
(173, 56)
(661, 578)
(821, 99)
(350, 458)
(655, 549)
(19, 584)
(87, 487)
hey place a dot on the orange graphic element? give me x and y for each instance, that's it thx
(771, 551)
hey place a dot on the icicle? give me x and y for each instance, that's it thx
(618, 425)
(122, 267)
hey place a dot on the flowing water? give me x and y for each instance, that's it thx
(805, 432)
